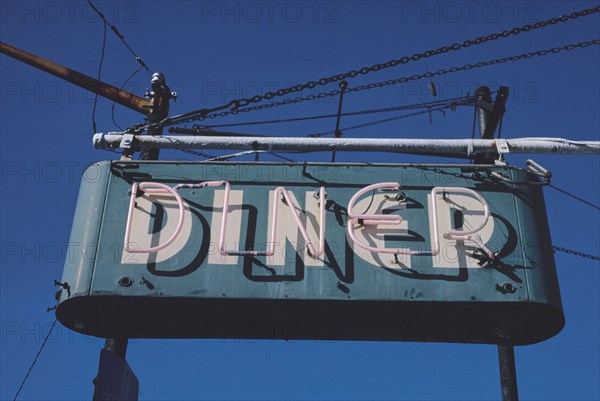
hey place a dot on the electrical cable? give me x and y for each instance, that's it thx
(35, 360)
(368, 124)
(462, 100)
(119, 35)
(99, 74)
(210, 158)
(115, 102)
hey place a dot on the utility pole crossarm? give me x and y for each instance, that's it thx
(103, 89)
(435, 147)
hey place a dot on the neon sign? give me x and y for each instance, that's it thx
(282, 195)
(367, 249)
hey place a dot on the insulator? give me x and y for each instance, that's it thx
(432, 89)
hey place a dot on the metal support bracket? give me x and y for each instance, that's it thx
(126, 141)
(502, 146)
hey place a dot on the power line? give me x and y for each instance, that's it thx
(119, 35)
(35, 360)
(238, 103)
(122, 87)
(385, 120)
(321, 134)
(463, 100)
(99, 74)
(443, 105)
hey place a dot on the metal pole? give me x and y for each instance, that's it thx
(439, 147)
(117, 346)
(103, 89)
(508, 373)
(338, 133)
(483, 105)
(489, 116)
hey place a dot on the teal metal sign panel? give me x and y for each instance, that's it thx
(444, 253)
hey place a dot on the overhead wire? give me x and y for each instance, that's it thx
(115, 102)
(457, 101)
(34, 360)
(376, 122)
(450, 103)
(98, 78)
(139, 60)
(119, 35)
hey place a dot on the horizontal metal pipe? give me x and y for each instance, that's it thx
(414, 146)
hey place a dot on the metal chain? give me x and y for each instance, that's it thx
(239, 103)
(575, 253)
(539, 53)
(569, 194)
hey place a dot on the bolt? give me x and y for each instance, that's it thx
(506, 288)
(125, 281)
(478, 175)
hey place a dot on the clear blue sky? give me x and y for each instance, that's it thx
(213, 51)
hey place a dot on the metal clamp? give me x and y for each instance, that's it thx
(532, 168)
(502, 146)
(538, 170)
(126, 141)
